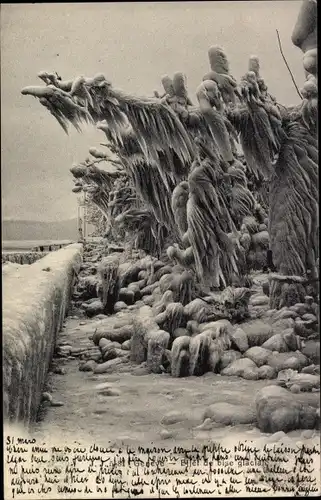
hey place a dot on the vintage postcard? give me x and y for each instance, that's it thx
(160, 249)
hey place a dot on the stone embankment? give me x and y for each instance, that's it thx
(36, 299)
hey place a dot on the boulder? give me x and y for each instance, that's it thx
(258, 354)
(270, 312)
(277, 409)
(142, 275)
(305, 381)
(63, 350)
(311, 350)
(276, 343)
(311, 318)
(292, 341)
(239, 340)
(126, 345)
(134, 287)
(89, 353)
(251, 374)
(285, 313)
(104, 342)
(217, 327)
(127, 296)
(192, 308)
(313, 369)
(257, 332)
(315, 309)
(259, 300)
(282, 361)
(109, 353)
(266, 372)
(281, 324)
(88, 366)
(299, 308)
(173, 417)
(284, 376)
(303, 329)
(148, 290)
(94, 308)
(227, 357)
(165, 434)
(120, 353)
(113, 334)
(148, 300)
(237, 367)
(230, 414)
(108, 366)
(111, 345)
(119, 306)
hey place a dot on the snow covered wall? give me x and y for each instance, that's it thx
(35, 301)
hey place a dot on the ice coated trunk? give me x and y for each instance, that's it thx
(218, 129)
(293, 220)
(108, 270)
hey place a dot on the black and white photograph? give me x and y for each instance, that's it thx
(160, 250)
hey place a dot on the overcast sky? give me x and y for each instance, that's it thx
(133, 44)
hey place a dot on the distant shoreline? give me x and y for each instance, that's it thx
(12, 246)
(25, 245)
